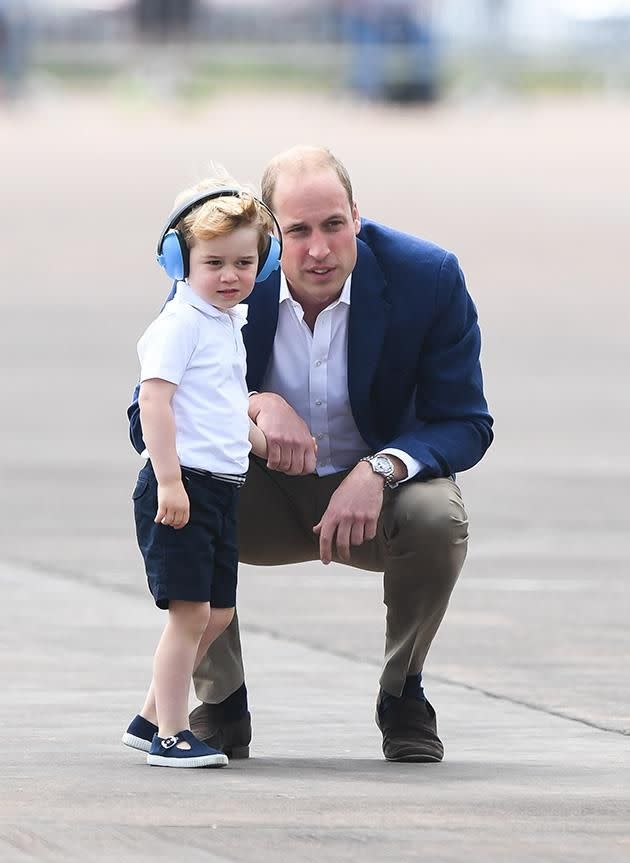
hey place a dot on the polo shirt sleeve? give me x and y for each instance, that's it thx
(166, 348)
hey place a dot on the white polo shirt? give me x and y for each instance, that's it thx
(200, 349)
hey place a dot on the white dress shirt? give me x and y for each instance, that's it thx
(310, 371)
(200, 348)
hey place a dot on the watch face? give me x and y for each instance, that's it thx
(383, 465)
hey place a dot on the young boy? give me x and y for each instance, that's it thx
(193, 408)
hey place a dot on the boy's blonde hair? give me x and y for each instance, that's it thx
(221, 216)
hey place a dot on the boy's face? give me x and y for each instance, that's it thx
(223, 270)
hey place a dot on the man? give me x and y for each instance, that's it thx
(368, 342)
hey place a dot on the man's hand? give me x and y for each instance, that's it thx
(290, 447)
(352, 515)
(173, 505)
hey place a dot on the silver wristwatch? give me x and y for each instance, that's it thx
(383, 466)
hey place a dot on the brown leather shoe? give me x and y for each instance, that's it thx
(409, 729)
(231, 737)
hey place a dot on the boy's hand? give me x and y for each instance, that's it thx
(173, 505)
(257, 440)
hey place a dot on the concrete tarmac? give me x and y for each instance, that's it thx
(529, 671)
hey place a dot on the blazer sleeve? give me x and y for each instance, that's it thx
(135, 428)
(133, 411)
(452, 428)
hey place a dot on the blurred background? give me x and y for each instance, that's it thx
(498, 129)
(396, 50)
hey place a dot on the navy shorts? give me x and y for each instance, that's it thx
(199, 562)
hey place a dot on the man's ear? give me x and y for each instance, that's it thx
(356, 218)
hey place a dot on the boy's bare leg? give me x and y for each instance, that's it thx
(172, 664)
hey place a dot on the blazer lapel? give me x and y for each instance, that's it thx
(260, 329)
(369, 313)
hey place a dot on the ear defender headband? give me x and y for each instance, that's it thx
(172, 251)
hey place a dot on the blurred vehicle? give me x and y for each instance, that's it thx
(394, 56)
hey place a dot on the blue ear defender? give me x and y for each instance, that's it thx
(270, 260)
(174, 257)
(172, 251)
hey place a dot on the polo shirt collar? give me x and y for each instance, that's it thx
(186, 294)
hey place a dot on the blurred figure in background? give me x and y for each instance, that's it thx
(165, 29)
(163, 20)
(14, 30)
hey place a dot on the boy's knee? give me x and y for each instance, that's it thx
(193, 616)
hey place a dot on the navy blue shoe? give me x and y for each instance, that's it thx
(139, 734)
(165, 752)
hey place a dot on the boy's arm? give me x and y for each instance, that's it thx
(258, 440)
(158, 426)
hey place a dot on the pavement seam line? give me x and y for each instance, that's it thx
(256, 629)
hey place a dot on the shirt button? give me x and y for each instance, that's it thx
(321, 435)
(318, 363)
(318, 402)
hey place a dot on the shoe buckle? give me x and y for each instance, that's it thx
(169, 742)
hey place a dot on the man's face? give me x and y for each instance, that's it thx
(319, 228)
(223, 270)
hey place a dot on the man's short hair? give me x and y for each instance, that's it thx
(303, 156)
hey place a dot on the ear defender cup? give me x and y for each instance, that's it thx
(172, 251)
(270, 260)
(174, 257)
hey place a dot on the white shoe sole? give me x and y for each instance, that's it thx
(136, 742)
(218, 760)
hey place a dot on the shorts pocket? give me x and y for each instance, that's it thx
(141, 487)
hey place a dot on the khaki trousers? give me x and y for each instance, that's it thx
(420, 547)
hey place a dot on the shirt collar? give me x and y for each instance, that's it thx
(344, 297)
(186, 294)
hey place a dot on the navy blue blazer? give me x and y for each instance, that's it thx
(414, 376)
